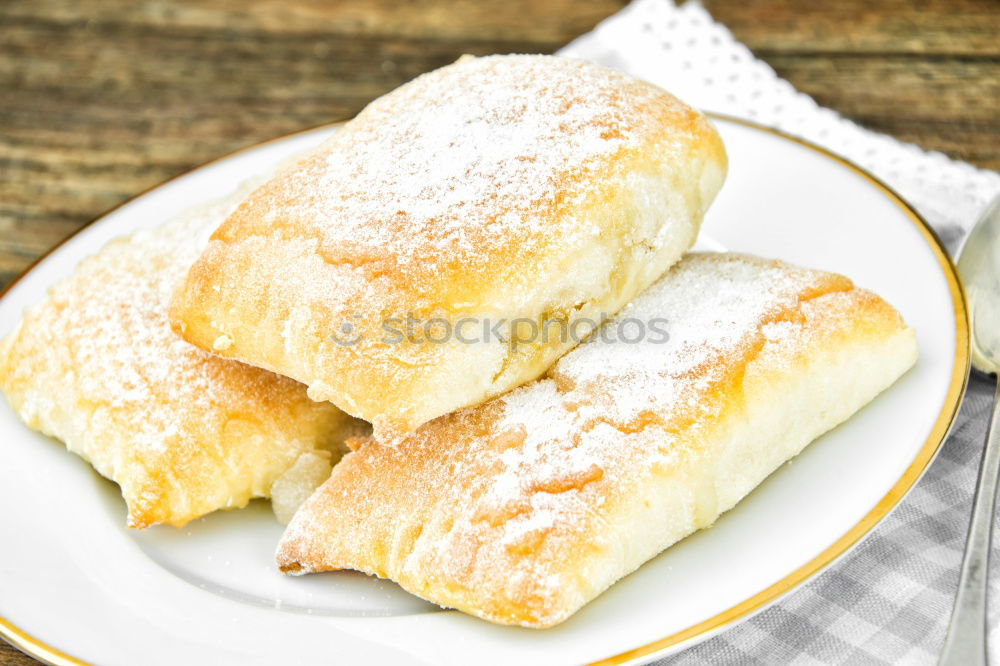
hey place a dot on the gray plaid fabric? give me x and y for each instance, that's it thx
(889, 600)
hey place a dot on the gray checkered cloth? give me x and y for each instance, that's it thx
(889, 600)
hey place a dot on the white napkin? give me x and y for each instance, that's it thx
(889, 600)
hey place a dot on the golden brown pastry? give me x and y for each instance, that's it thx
(525, 508)
(183, 432)
(492, 189)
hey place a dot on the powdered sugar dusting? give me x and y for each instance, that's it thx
(475, 155)
(711, 308)
(149, 377)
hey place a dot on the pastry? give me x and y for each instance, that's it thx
(182, 432)
(387, 269)
(523, 509)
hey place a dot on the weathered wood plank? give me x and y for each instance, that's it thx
(926, 27)
(105, 98)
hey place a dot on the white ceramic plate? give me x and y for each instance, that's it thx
(76, 585)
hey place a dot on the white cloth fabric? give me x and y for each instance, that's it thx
(889, 600)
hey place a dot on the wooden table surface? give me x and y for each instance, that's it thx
(104, 99)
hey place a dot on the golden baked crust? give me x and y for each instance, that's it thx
(491, 189)
(523, 509)
(184, 433)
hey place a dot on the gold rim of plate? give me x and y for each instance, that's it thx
(956, 389)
